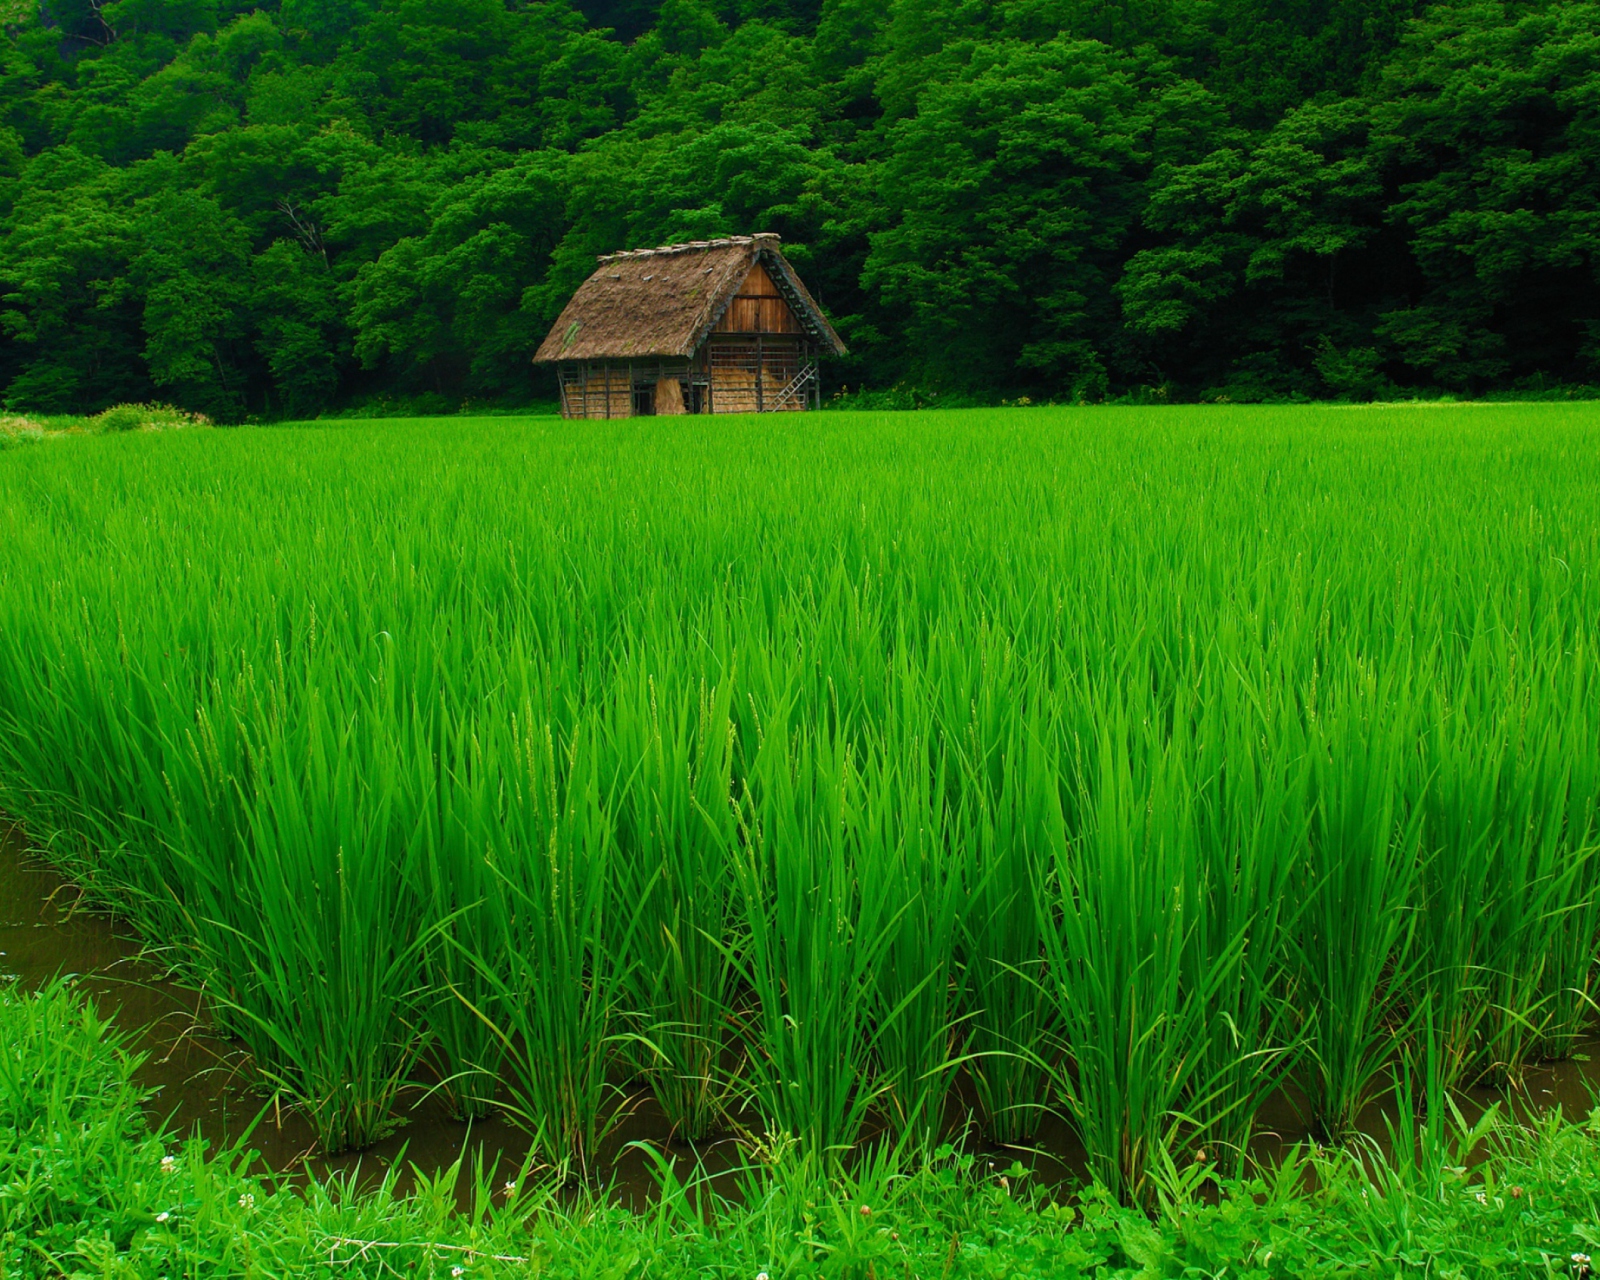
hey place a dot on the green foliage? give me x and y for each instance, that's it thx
(1010, 192)
(1067, 201)
(87, 1189)
(21, 429)
(1120, 763)
(70, 1120)
(145, 417)
(17, 430)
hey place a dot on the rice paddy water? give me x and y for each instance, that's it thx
(837, 770)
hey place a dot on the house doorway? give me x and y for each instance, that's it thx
(644, 402)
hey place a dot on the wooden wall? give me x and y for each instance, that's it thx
(731, 373)
(748, 374)
(758, 307)
(596, 390)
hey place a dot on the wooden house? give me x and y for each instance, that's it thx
(712, 326)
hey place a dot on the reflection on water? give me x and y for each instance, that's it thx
(202, 1082)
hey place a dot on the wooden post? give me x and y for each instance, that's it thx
(760, 408)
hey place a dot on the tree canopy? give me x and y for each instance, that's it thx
(281, 208)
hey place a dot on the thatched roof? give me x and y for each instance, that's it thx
(663, 302)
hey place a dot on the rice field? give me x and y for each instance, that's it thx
(838, 775)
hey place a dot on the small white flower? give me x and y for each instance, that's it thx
(762, 1275)
(458, 1271)
(247, 1201)
(1481, 1198)
(162, 1216)
(1582, 1259)
(510, 1188)
(168, 1163)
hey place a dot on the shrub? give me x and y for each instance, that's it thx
(146, 417)
(15, 430)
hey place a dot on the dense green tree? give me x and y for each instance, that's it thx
(1437, 231)
(1011, 193)
(298, 320)
(1260, 258)
(459, 306)
(275, 206)
(73, 343)
(1488, 120)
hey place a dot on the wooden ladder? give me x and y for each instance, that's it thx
(795, 386)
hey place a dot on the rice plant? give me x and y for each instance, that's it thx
(816, 920)
(1119, 928)
(330, 974)
(1125, 762)
(1008, 825)
(463, 901)
(916, 979)
(560, 962)
(676, 841)
(1251, 821)
(1354, 950)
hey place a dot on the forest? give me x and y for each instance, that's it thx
(282, 208)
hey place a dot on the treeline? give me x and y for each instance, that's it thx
(280, 208)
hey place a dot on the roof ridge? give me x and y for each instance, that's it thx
(722, 242)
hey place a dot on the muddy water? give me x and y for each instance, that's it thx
(201, 1083)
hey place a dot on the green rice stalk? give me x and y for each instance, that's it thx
(1251, 817)
(676, 832)
(462, 900)
(815, 930)
(559, 964)
(330, 950)
(1009, 823)
(1353, 954)
(1119, 924)
(916, 980)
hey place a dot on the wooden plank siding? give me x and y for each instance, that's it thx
(731, 373)
(758, 307)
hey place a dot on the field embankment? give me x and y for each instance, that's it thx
(1133, 765)
(91, 1189)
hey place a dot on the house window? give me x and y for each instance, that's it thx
(644, 402)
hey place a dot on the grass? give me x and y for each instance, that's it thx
(87, 1188)
(829, 778)
(20, 429)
